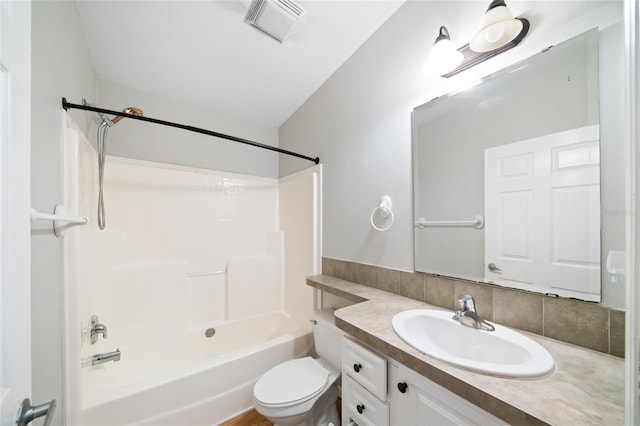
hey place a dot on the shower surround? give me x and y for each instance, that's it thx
(186, 253)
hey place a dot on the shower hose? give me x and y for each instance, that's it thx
(102, 148)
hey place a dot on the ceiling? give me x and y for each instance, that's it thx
(204, 54)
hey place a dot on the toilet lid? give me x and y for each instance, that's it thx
(291, 381)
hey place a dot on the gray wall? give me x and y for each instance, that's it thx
(359, 122)
(61, 66)
(152, 142)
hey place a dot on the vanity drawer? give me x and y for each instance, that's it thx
(366, 367)
(360, 406)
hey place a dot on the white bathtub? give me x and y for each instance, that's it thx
(191, 379)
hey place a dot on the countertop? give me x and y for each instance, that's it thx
(586, 387)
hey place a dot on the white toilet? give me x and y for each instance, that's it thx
(304, 391)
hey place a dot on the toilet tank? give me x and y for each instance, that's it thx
(327, 337)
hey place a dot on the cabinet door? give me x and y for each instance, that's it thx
(419, 401)
(399, 398)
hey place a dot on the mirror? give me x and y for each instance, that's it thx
(507, 176)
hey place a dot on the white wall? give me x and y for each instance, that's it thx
(153, 142)
(170, 231)
(359, 121)
(61, 66)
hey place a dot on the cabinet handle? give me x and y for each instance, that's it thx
(357, 367)
(360, 408)
(402, 387)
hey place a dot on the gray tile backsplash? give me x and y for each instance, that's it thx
(583, 324)
(519, 309)
(616, 332)
(580, 323)
(390, 280)
(439, 291)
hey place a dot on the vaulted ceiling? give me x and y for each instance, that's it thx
(204, 54)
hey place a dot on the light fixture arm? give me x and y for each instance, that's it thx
(496, 3)
(443, 34)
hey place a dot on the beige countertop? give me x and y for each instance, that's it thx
(586, 387)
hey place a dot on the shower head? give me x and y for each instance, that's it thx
(128, 110)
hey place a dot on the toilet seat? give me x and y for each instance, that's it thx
(291, 382)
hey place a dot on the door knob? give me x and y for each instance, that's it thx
(27, 413)
(493, 267)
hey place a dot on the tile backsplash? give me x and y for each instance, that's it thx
(580, 323)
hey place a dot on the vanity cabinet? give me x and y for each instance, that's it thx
(415, 400)
(377, 391)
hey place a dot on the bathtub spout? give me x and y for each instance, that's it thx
(102, 358)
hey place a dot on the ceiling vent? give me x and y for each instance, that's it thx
(276, 18)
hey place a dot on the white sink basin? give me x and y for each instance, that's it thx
(503, 352)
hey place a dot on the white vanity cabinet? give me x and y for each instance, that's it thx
(377, 391)
(364, 386)
(415, 400)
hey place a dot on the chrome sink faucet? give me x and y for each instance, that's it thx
(467, 314)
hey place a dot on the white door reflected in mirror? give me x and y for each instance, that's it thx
(542, 207)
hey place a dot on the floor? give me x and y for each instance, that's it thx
(249, 418)
(253, 418)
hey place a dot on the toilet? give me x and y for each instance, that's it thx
(304, 391)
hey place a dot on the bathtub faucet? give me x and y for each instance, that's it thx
(102, 358)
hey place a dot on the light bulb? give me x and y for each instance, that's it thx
(444, 57)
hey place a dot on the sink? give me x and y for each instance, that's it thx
(503, 352)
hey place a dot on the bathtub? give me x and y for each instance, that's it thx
(191, 379)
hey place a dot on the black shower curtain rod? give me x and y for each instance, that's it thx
(66, 105)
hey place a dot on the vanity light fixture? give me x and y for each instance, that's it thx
(444, 57)
(499, 32)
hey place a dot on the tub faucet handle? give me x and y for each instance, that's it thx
(97, 328)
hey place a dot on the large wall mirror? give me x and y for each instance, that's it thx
(507, 186)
